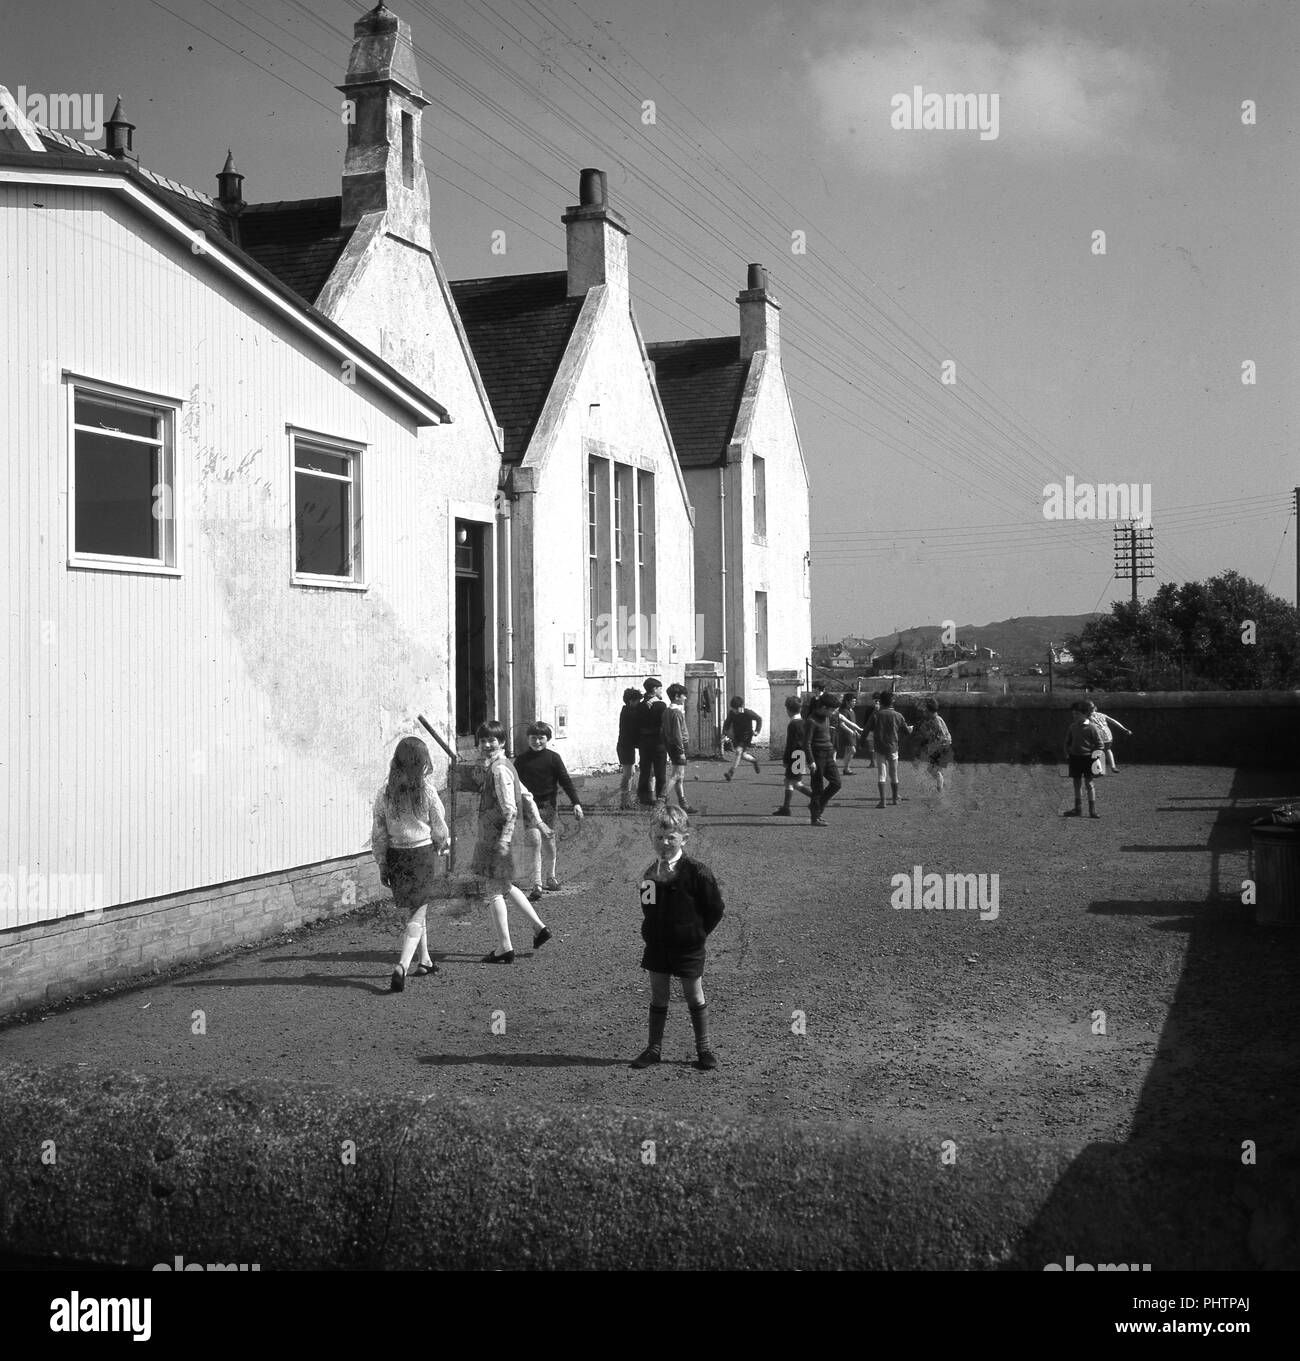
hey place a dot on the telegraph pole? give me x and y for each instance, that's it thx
(1297, 548)
(1135, 556)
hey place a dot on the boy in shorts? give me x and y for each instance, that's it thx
(680, 904)
(1082, 742)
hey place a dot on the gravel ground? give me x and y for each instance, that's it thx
(932, 1023)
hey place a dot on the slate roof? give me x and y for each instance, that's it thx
(518, 327)
(299, 242)
(700, 384)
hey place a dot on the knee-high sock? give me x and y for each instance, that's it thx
(422, 948)
(700, 1020)
(658, 1019)
(549, 852)
(501, 922)
(410, 943)
(520, 900)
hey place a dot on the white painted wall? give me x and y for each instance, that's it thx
(553, 595)
(174, 732)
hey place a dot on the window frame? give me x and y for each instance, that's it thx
(168, 475)
(759, 476)
(334, 447)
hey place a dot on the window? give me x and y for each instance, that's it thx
(760, 633)
(599, 579)
(326, 512)
(408, 150)
(645, 562)
(122, 496)
(620, 562)
(760, 497)
(627, 544)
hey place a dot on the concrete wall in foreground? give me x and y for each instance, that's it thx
(303, 1177)
(1219, 728)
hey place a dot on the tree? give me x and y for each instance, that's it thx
(1227, 633)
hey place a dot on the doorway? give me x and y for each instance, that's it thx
(472, 638)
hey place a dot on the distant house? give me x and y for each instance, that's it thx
(1062, 656)
(841, 659)
(898, 661)
(863, 655)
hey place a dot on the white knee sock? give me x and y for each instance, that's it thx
(413, 932)
(501, 922)
(518, 898)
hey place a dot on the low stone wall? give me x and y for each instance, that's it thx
(44, 962)
(123, 1169)
(1222, 728)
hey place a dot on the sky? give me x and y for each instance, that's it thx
(957, 337)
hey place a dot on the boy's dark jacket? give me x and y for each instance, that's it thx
(684, 912)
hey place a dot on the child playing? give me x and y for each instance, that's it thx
(493, 863)
(742, 726)
(819, 753)
(1104, 723)
(796, 731)
(408, 833)
(629, 728)
(1082, 742)
(675, 739)
(651, 752)
(541, 770)
(887, 727)
(681, 904)
(847, 732)
(936, 741)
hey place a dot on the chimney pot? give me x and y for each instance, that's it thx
(230, 182)
(121, 135)
(591, 189)
(757, 277)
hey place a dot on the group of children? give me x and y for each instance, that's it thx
(680, 899)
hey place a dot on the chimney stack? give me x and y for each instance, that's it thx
(230, 193)
(596, 239)
(121, 135)
(383, 170)
(760, 316)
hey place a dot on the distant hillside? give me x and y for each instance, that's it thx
(1021, 642)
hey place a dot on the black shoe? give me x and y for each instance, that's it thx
(535, 894)
(398, 980)
(1073, 813)
(645, 1058)
(1093, 813)
(422, 969)
(541, 937)
(820, 822)
(494, 958)
(707, 1060)
(686, 808)
(781, 813)
(552, 885)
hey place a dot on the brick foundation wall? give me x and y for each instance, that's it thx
(45, 962)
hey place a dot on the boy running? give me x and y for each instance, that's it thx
(796, 731)
(742, 726)
(1082, 742)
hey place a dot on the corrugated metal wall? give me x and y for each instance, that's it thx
(171, 732)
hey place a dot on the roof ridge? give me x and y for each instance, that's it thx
(86, 149)
(291, 203)
(503, 278)
(698, 340)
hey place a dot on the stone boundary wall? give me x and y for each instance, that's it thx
(114, 1168)
(1215, 727)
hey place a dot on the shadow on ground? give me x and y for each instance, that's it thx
(1235, 1201)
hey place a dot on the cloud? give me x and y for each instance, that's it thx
(1059, 93)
